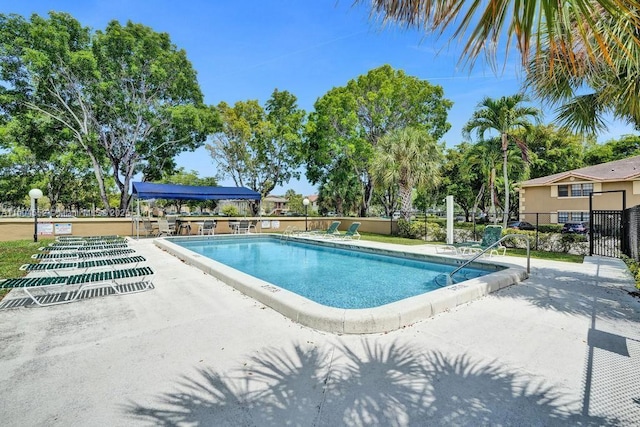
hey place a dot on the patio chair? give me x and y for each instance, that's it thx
(82, 265)
(351, 233)
(207, 227)
(172, 219)
(147, 227)
(82, 248)
(329, 233)
(72, 286)
(69, 256)
(243, 227)
(164, 229)
(90, 239)
(492, 233)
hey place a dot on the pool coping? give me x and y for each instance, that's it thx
(385, 318)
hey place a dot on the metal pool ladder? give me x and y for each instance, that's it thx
(488, 248)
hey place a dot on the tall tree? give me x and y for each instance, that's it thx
(294, 201)
(340, 192)
(349, 121)
(483, 158)
(183, 177)
(615, 149)
(258, 147)
(505, 116)
(553, 150)
(459, 180)
(122, 94)
(407, 158)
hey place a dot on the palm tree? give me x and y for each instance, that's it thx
(505, 116)
(566, 23)
(614, 82)
(407, 158)
(485, 156)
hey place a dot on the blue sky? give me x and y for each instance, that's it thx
(245, 49)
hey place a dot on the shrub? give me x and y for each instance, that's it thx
(229, 210)
(634, 268)
(518, 242)
(550, 228)
(416, 230)
(573, 242)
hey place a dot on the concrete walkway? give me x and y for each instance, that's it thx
(561, 348)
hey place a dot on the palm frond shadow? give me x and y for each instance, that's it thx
(573, 294)
(373, 384)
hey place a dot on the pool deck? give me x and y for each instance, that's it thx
(386, 318)
(560, 348)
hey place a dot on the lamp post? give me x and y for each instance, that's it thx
(305, 202)
(35, 194)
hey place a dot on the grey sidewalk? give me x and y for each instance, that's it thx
(560, 348)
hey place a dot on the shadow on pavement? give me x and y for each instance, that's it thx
(375, 385)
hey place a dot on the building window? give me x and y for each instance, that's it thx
(577, 190)
(572, 217)
(579, 216)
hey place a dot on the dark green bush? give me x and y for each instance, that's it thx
(518, 242)
(550, 228)
(416, 230)
(634, 268)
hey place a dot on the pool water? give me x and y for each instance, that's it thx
(336, 277)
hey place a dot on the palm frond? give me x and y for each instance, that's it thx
(527, 22)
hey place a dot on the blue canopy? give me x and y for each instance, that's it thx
(149, 190)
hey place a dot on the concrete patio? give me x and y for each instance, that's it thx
(562, 347)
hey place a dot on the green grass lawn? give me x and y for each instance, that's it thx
(13, 255)
(390, 239)
(556, 256)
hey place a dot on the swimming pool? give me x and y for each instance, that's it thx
(377, 318)
(332, 276)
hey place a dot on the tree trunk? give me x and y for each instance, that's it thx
(97, 170)
(405, 200)
(506, 180)
(366, 197)
(476, 202)
(492, 186)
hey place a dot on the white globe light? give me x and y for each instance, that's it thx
(305, 201)
(35, 193)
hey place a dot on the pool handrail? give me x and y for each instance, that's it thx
(488, 248)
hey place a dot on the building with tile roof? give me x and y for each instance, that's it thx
(565, 195)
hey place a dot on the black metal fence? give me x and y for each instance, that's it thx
(607, 231)
(632, 228)
(611, 233)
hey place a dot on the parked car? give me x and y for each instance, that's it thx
(521, 225)
(575, 227)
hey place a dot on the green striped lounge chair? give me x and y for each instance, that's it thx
(110, 238)
(491, 235)
(68, 256)
(351, 233)
(46, 291)
(98, 247)
(329, 233)
(56, 267)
